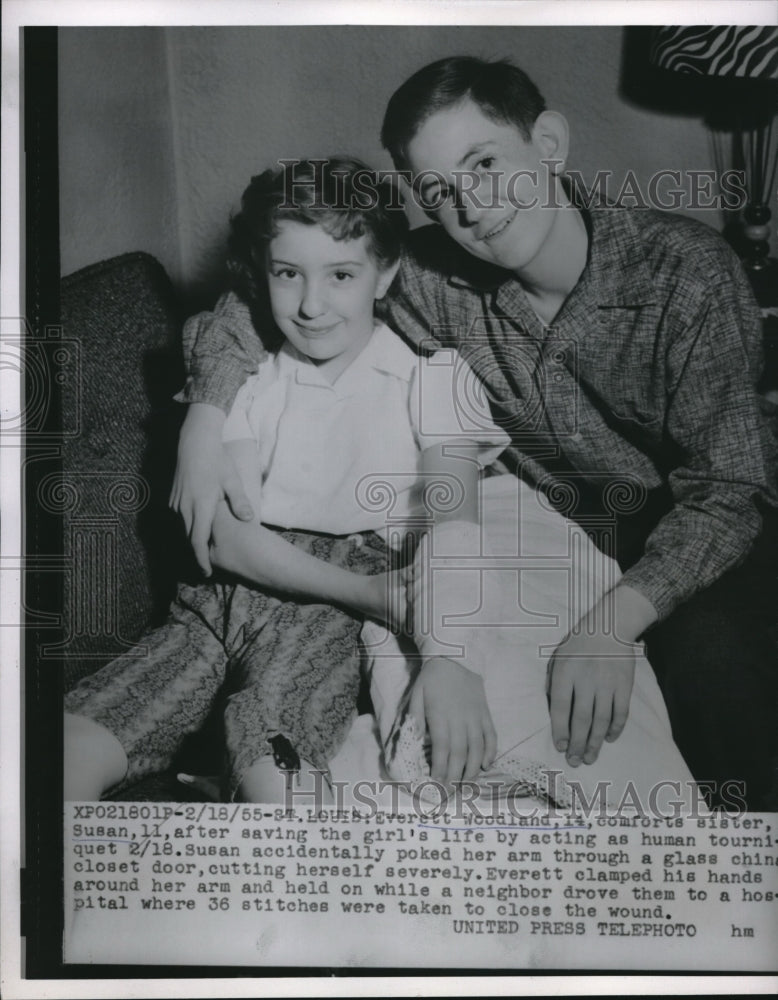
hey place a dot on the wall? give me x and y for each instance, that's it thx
(162, 128)
(117, 179)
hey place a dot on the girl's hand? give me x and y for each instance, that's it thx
(205, 474)
(448, 700)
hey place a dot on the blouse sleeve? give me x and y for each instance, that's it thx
(237, 426)
(448, 404)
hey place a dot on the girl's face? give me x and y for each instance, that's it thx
(322, 292)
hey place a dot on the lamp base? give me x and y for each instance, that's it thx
(756, 231)
(763, 275)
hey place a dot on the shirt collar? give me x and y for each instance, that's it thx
(387, 352)
(616, 272)
(470, 272)
(289, 361)
(384, 352)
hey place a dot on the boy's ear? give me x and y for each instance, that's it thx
(385, 279)
(551, 135)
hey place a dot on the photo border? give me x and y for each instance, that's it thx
(21, 285)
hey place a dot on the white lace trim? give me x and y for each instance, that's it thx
(511, 774)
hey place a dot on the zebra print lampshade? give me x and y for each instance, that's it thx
(748, 51)
(748, 57)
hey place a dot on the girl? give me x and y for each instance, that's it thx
(340, 408)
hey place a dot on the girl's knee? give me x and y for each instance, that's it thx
(94, 759)
(265, 782)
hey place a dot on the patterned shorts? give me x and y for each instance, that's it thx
(274, 667)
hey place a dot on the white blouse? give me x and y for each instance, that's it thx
(345, 457)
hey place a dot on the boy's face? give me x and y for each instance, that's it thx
(322, 291)
(495, 212)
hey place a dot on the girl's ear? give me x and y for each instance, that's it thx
(385, 279)
(551, 135)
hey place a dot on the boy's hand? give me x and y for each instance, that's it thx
(448, 700)
(205, 474)
(591, 674)
(590, 684)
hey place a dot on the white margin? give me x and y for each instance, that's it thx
(19, 13)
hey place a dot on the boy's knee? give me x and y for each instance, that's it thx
(701, 640)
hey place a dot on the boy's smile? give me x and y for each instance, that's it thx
(322, 293)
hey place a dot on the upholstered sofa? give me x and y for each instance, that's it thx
(123, 547)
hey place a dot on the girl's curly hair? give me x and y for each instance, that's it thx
(341, 195)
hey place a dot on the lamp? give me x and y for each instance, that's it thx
(746, 57)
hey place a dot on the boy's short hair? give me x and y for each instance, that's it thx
(501, 90)
(340, 194)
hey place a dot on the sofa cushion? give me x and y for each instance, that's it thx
(122, 545)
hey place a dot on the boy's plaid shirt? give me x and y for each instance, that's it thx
(644, 383)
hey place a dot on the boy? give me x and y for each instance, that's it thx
(620, 349)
